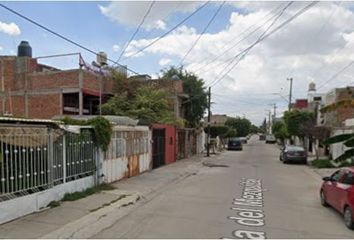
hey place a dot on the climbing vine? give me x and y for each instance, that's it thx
(102, 129)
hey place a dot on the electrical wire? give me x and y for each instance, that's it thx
(245, 52)
(166, 33)
(163, 20)
(137, 30)
(241, 39)
(61, 36)
(336, 75)
(201, 34)
(269, 34)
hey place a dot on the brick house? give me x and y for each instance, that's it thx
(33, 90)
(300, 104)
(338, 107)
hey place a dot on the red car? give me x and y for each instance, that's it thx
(338, 192)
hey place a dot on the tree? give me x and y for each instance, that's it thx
(151, 105)
(295, 122)
(217, 131)
(118, 105)
(279, 130)
(263, 127)
(194, 87)
(254, 129)
(242, 125)
(231, 133)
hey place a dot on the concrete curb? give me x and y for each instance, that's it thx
(89, 225)
(313, 174)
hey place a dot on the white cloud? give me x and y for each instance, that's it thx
(10, 28)
(115, 48)
(131, 13)
(1, 48)
(164, 61)
(314, 46)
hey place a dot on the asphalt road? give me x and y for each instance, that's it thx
(279, 201)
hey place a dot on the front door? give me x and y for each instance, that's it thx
(158, 147)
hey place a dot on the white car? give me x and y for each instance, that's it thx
(270, 139)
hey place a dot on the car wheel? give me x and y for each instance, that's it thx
(284, 161)
(305, 162)
(348, 218)
(323, 199)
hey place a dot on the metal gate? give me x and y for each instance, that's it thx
(158, 147)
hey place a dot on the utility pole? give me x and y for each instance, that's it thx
(291, 90)
(208, 137)
(270, 123)
(275, 110)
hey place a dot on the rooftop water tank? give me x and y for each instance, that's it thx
(101, 58)
(24, 49)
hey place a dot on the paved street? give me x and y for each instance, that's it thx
(199, 206)
(195, 199)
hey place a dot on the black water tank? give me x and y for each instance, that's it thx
(24, 49)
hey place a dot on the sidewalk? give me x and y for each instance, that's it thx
(86, 217)
(319, 173)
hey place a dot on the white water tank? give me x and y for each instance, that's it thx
(101, 58)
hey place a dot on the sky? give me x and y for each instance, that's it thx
(315, 46)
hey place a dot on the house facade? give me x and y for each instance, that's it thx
(33, 90)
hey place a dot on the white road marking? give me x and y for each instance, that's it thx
(249, 210)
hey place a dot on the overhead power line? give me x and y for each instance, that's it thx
(61, 36)
(336, 74)
(148, 34)
(238, 37)
(166, 33)
(204, 30)
(245, 52)
(137, 30)
(269, 34)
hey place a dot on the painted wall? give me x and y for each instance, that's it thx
(22, 206)
(127, 156)
(170, 142)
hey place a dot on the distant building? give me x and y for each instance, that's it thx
(217, 119)
(33, 90)
(300, 104)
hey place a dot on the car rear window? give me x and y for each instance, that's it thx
(295, 148)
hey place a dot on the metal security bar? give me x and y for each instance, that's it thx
(80, 155)
(34, 162)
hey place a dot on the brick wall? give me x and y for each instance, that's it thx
(57, 79)
(43, 106)
(171, 86)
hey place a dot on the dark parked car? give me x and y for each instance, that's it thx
(338, 192)
(270, 139)
(234, 144)
(291, 153)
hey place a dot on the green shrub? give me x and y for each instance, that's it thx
(322, 163)
(327, 163)
(102, 129)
